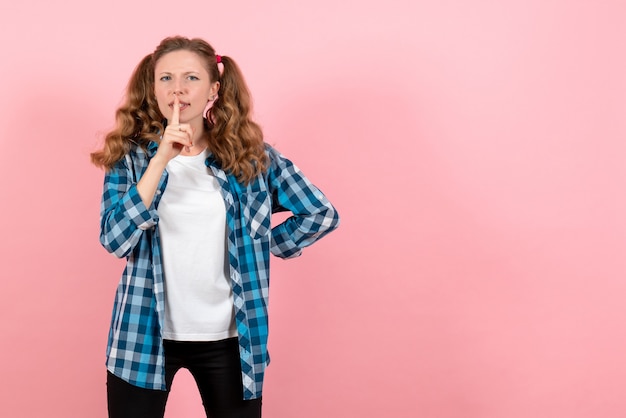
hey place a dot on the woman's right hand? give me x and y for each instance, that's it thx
(176, 136)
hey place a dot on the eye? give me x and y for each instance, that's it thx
(193, 77)
(165, 78)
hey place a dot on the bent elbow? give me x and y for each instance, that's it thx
(115, 248)
(331, 220)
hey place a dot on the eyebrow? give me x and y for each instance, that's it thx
(185, 73)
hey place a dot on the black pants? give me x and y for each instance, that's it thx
(214, 366)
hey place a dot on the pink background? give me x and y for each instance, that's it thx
(475, 151)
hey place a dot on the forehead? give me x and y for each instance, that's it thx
(180, 61)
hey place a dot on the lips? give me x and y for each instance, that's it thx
(182, 105)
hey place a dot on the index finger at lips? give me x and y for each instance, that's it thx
(175, 112)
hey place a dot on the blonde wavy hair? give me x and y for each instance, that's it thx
(235, 139)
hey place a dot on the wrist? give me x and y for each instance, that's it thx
(158, 161)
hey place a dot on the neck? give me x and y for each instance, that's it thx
(200, 133)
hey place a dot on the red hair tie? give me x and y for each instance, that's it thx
(218, 58)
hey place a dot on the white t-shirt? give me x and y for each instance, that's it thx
(192, 223)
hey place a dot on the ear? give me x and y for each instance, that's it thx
(215, 88)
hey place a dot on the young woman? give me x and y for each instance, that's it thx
(189, 190)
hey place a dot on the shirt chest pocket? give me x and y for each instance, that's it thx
(256, 213)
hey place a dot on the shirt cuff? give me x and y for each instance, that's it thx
(138, 213)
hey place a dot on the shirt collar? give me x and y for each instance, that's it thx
(152, 148)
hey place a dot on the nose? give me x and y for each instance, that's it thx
(178, 88)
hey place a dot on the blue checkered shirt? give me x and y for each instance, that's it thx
(130, 229)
